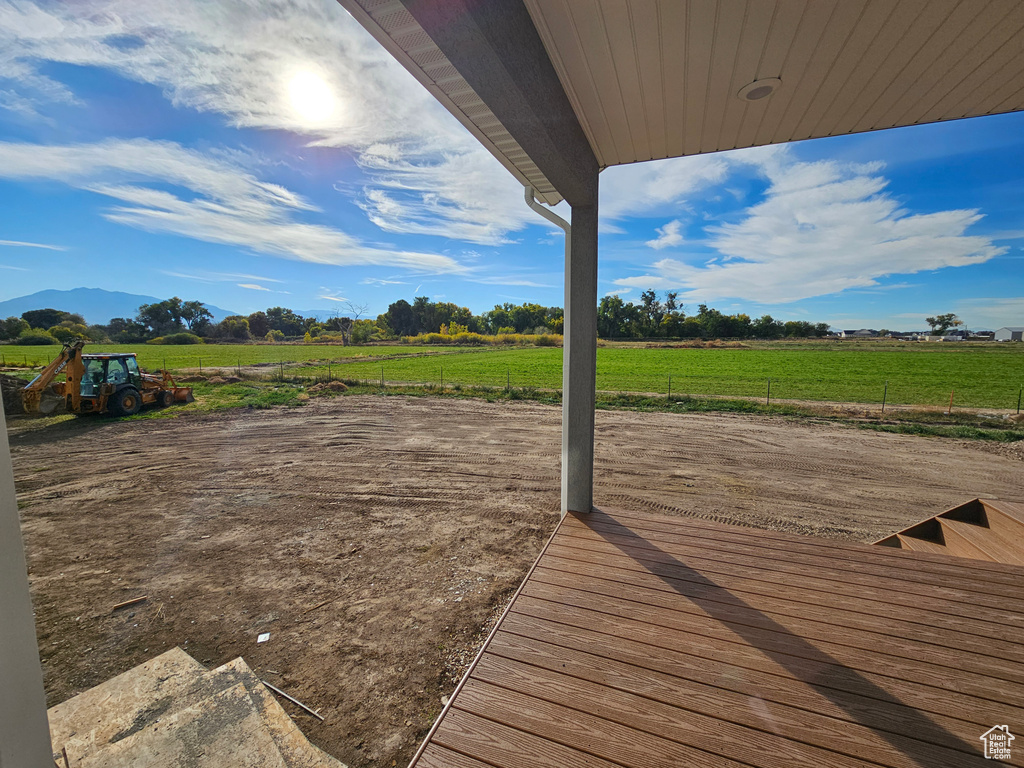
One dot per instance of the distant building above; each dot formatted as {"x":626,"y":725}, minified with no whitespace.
{"x":863,"y":333}
{"x":1010,"y":333}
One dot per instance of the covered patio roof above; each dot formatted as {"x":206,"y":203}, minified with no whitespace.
{"x":651,"y":79}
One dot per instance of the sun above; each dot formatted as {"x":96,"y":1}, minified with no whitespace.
{"x":311,"y":97}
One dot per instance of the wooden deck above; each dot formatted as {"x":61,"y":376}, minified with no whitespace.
{"x":641,"y":640}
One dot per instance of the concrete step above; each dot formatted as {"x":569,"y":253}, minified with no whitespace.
{"x":225,"y":729}
{"x":292,"y":743}
{"x":142,"y":700}
{"x":122,"y":705}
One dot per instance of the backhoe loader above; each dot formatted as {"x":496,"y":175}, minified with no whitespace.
{"x":103,"y":383}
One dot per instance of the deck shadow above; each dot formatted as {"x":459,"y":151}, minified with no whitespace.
{"x":750,"y":624}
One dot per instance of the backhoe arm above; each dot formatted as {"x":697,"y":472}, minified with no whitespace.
{"x":32,"y":393}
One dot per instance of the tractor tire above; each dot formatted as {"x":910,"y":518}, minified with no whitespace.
{"x":165,"y":398}
{"x":125,"y":402}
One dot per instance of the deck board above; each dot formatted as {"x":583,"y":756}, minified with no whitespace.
{"x":640,"y":641}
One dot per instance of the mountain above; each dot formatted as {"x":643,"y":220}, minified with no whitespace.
{"x":94,"y":304}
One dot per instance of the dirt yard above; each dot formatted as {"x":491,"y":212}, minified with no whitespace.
{"x":375,"y":538}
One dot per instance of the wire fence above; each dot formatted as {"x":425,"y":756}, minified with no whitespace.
{"x":912,"y":386}
{"x":883,"y":393}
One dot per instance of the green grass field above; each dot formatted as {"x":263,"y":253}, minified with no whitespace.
{"x":982,"y":375}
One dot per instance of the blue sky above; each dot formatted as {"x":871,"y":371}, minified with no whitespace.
{"x":250,"y":154}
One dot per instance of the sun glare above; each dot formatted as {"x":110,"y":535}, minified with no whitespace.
{"x":311,"y":97}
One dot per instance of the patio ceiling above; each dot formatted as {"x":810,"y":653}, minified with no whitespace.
{"x":649,"y":79}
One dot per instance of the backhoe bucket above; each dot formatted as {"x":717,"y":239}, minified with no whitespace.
{"x":183,"y":395}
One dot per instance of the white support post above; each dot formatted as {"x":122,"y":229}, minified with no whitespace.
{"x":24,"y":730}
{"x":579,"y":361}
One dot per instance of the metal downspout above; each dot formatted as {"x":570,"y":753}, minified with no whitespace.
{"x":550,"y":215}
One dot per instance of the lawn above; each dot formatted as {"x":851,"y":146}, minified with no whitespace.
{"x":979,"y":375}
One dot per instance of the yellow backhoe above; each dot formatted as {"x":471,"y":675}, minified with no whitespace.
{"x":103,"y":383}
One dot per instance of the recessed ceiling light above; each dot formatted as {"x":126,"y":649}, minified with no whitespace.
{"x":759,"y":89}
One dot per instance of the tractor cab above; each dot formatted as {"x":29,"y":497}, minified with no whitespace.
{"x":115,"y":370}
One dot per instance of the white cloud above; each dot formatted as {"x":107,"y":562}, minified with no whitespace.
{"x":16,"y":269}
{"x":669,"y":236}
{"x":252,"y":287}
{"x":508,"y":280}
{"x":463,"y":195}
{"x":665,"y":186}
{"x":382,"y":281}
{"x":20,"y":244}
{"x":340,"y":299}
{"x":224,"y":203}
{"x":823,"y":227}
{"x":991,"y":313}
{"x":220,"y":277}
{"x":239,"y":58}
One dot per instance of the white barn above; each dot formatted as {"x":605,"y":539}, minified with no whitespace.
{"x":1010,"y":333}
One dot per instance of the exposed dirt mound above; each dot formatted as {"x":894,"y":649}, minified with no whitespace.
{"x":189,"y":379}
{"x":331,"y":386}
{"x":221,"y":380}
{"x":11,"y":386}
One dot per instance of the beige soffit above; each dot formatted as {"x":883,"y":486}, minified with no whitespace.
{"x":651,"y":79}
{"x":395,"y":29}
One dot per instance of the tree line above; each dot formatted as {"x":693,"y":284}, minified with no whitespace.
{"x":176,"y":321}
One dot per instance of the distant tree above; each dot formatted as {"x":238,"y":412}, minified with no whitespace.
{"x":274,"y":335}
{"x":97,"y":333}
{"x":767,"y":327}
{"x":259,"y":324}
{"x":653,"y":312}
{"x":12,"y":327}
{"x":942,"y":323}
{"x":232,"y":327}
{"x":617,"y":319}
{"x":347,"y":323}
{"x":364,"y":331}
{"x":45,"y":318}
{"x":197,"y":317}
{"x":68,"y":331}
{"x":498,"y":318}
{"x":162,"y":317}
{"x":35,"y":337}
{"x":123,"y":330}
{"x":286,"y":321}
{"x":400,"y":320}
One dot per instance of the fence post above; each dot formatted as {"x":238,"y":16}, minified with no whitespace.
{"x":950,"y":411}
{"x":282,"y":371}
{"x":442,"y":377}
{"x":382,"y":377}
{"x":885,"y":394}
{"x":768,"y":401}
{"x":329,"y":379}
{"x":670,"y":386}
{"x":1018,"y":398}
{"x":508,"y":384}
